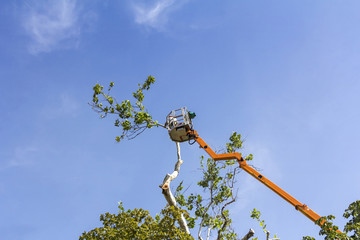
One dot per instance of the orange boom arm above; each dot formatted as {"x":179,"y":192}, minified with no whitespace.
{"x":313,"y":216}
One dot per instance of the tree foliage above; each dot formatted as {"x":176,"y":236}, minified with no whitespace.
{"x":255,"y":214}
{"x":138,"y":224}
{"x":352,"y":227}
{"x":218,"y":191}
{"x":131,"y":117}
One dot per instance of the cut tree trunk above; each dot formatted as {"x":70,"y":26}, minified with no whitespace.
{"x":249,"y":235}
{"x":166,"y":191}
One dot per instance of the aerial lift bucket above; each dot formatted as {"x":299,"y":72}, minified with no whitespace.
{"x":178,"y":123}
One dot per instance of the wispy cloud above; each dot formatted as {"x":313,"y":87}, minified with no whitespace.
{"x":264,"y":163}
{"x":156,"y":15}
{"x":68,"y":105}
{"x":64,"y":105}
{"x":52,"y":24}
{"x":21,"y":156}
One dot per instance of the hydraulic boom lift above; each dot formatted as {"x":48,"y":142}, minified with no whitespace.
{"x":180,"y":129}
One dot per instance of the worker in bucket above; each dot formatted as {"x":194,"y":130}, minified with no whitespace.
{"x":172,"y":122}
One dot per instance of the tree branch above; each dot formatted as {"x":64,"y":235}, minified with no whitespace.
{"x":226,"y":220}
{"x":165,"y":186}
{"x":203,"y":218}
{"x":249,"y":235}
{"x":208,"y":233}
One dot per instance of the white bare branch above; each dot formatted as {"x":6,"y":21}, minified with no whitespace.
{"x":165,"y":186}
{"x":208,"y":233}
{"x":249,"y":235}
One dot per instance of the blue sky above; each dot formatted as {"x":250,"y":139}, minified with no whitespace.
{"x":285,"y":74}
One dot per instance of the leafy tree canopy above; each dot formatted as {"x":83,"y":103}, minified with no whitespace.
{"x":351,"y":229}
{"x":138,"y":224}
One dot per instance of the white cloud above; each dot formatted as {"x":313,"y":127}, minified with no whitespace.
{"x":52,"y":24}
{"x":154,"y":16}
{"x":68,"y":106}
{"x":265,"y":164}
{"x":65,"y":105}
{"x":20,"y":157}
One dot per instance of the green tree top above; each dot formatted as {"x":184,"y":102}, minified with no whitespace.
{"x":138,"y":224}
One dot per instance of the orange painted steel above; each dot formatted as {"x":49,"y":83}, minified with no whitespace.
{"x":313,"y":216}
